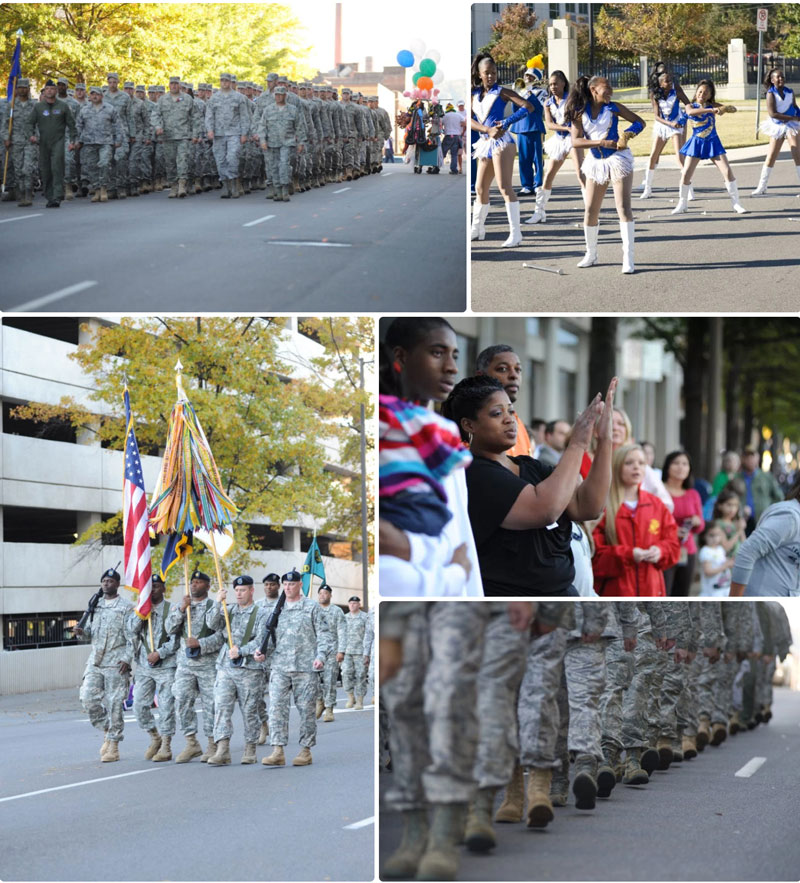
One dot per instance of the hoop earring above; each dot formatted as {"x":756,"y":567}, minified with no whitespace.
{"x":469,"y":439}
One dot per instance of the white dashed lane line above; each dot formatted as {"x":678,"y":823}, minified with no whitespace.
{"x":259,"y":221}
{"x":74,"y":785}
{"x":342,"y":189}
{"x":49,"y":298}
{"x":362,"y":824}
{"x":752,"y":766}
{"x":20,"y":218}
{"x":301,"y":244}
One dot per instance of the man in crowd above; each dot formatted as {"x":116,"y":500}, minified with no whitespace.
{"x":53,"y":120}
{"x":555,"y":442}
{"x":502,"y":363}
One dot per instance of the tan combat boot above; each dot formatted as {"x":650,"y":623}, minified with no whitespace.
{"x":584,"y":785}
{"x":236,"y":188}
{"x":211,"y":750}
{"x":734,"y":725}
{"x":165,"y":751}
{"x":665,"y":755}
{"x":479,"y":834}
{"x":173,"y":191}
{"x":540,"y":810}
{"x":351,"y":701}
{"x":512,"y":808}
{"x":263,"y":734}
{"x":111,"y":753}
{"x":223,"y":755}
{"x":27,"y":198}
{"x":105,"y":743}
{"x":328,"y":716}
{"x":191,"y":750}
{"x":103,"y":194}
{"x":198,"y":188}
{"x":719,"y":734}
{"x":359,"y":703}
{"x":95,"y":195}
{"x":320,"y":708}
{"x":68,"y":194}
{"x":249,"y":755}
{"x":440,"y":859}
{"x":277,"y":757}
{"x":182,"y":188}
{"x":155,"y":744}
{"x":703,"y":732}
{"x":403,"y":862}
{"x":689,"y":747}
{"x":145,"y":187}
{"x":303,"y":758}
{"x":634,"y":774}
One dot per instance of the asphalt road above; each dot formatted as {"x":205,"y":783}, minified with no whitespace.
{"x":136,"y":820}
{"x":707,"y":260}
{"x":696,"y":821}
{"x":385,"y":243}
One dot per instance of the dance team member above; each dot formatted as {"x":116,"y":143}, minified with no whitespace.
{"x":783,"y":122}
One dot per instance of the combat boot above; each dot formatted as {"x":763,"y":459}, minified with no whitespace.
{"x":121,"y":193}
{"x":512,"y":809}
{"x":634,"y":774}
{"x":677,"y":750}
{"x":165,"y":751}
{"x":146,"y":187}
{"x":649,"y":760}
{"x":27,"y":198}
{"x":559,"y":785}
{"x":320,"y":708}
{"x":767,"y":712}
{"x":105,"y":744}
{"x":719,"y":734}
{"x":191,"y":750}
{"x":182,"y":188}
{"x":8,"y":196}
{"x":351,"y":700}
{"x":606,"y":775}
{"x":84,"y":191}
{"x":155,"y":744}
{"x":263,"y":734}
{"x":103,"y":194}
{"x":68,"y":194}
{"x":173,"y":191}
{"x":226,"y":194}
{"x":277,"y":757}
{"x":584,"y":787}
{"x":270,"y":192}
{"x":703,"y":731}
{"x":112,"y":194}
{"x":303,"y":758}
{"x":402,"y":863}
{"x":249,"y":755}
{"x":111,"y":753}
{"x":134,"y":190}
{"x":540,"y":810}
{"x":689,"y":747}
{"x":211,"y":750}
{"x":198,"y":187}
{"x":327,"y":718}
{"x":734,"y":724}
{"x":664,"y":749}
{"x":208,"y":183}
{"x":359,"y":703}
{"x":223,"y":754}
{"x":479,"y":835}
{"x":159,"y":185}
{"x":440,"y":859}
{"x":285,"y":191}
{"x":237,"y":188}
{"x":247,"y":186}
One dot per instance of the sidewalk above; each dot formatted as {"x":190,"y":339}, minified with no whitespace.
{"x":34,"y":705}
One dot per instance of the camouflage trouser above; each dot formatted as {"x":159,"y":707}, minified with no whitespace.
{"x":136,"y":170}
{"x":769,"y":673}
{"x":499,"y":678}
{"x":226,"y":154}
{"x":118,"y":173}
{"x":329,"y":675}
{"x":70,"y":164}
{"x":146,"y":681}
{"x":687,"y":716}
{"x":303,"y":686}
{"x":675,"y":674}
{"x":705,"y":685}
{"x":159,"y":164}
{"x":723,"y":691}
{"x":96,"y":159}
{"x":189,"y":683}
{"x":362,"y":155}
{"x":6,"y":168}
{"x":349,"y":155}
{"x":261,"y":703}
{"x":177,"y":153}
{"x":749,"y":676}
{"x":431,"y":704}
{"x":354,"y":674}
{"x":279,"y":164}
{"x":242,"y":685}
{"x":102,"y":693}
{"x":619,"y":674}
{"x":636,"y":701}
{"x":538,"y":700}
{"x":579,"y":696}
{"x":26,"y":163}
{"x":371,"y":676}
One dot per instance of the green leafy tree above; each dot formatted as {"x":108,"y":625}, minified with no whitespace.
{"x":787,"y":16}
{"x":652,"y":29}
{"x":516,"y":37}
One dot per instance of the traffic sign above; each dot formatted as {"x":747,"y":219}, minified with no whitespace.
{"x":761,"y":20}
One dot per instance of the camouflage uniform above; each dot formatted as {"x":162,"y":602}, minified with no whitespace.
{"x":139,"y":128}
{"x":174,"y":114}
{"x":352,"y":134}
{"x":302,"y":638}
{"x":195,"y":676}
{"x":354,"y":677}
{"x":119,"y":159}
{"x":228,"y":118}
{"x":24,"y":155}
{"x":268,"y":605}
{"x":160,"y":677}
{"x":99,"y":128}
{"x":282,"y":128}
{"x":104,"y":689}
{"x":337,"y":626}
{"x":238,"y":683}
{"x":70,"y":166}
{"x":737,"y":623}
{"x":6,"y":168}
{"x":369,"y":649}
{"x":666,"y":691}
{"x":619,"y":673}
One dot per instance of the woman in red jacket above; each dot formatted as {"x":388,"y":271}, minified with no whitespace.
{"x":636,"y":540}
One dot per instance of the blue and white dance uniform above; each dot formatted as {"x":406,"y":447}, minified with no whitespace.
{"x":489,"y":111}
{"x":781,"y":128}
{"x":669,"y":108}
{"x":704,"y":142}
{"x":603,"y":164}
{"x":559,"y":144}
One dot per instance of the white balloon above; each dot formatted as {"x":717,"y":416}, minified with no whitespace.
{"x":417,"y":46}
{"x":438,"y":76}
{"x":434,"y":55}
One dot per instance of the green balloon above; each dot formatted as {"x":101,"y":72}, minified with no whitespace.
{"x":427,"y":67}
{"x":417,"y":75}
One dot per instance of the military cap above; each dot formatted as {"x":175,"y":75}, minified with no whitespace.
{"x":280,"y":90}
{"x":271,"y":78}
{"x":271,"y":578}
{"x":243,"y":580}
{"x":23,"y":82}
{"x":161,"y":89}
{"x":71,"y":93}
{"x":129,"y":84}
{"x":140,"y":89}
{"x":111,"y":574}
{"x":234,"y":78}
{"x":282,"y":78}
{"x":353,"y":598}
{"x":225,"y":77}
{"x":152,"y":88}
{"x":63,"y":80}
{"x":291,"y":577}
{"x":372,"y":98}
{"x":49,"y":83}
{"x":112,"y":76}
{"x":175,"y":80}
{"x":324,"y":586}
{"x":198,"y":574}
{"x":347,"y":91}
{"x":96,"y":89}
{"x":157,"y":580}
{"x":80,"y":86}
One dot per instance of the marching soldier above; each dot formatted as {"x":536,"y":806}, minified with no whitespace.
{"x":338,"y":629}
{"x":354,"y":675}
{"x":155,"y":670}
{"x":281,"y":133}
{"x":227,"y":126}
{"x":176,"y":122}
{"x":24,"y":153}
{"x":272,"y":588}
{"x":99,"y":131}
{"x":106,"y":678}
{"x":70,"y":156}
{"x":53,"y":120}
{"x":119,"y":159}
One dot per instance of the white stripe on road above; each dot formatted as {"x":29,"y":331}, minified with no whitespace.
{"x":342,"y":190}
{"x":752,"y":766}
{"x":49,"y":298}
{"x":384,"y":174}
{"x":259,"y":221}
{"x":362,"y":824}
{"x":312,"y":244}
{"x":20,"y":218}
{"x":74,"y":785}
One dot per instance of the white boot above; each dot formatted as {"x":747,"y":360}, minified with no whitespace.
{"x":762,"y":181}
{"x":539,"y":216}
{"x":683,"y":202}
{"x":590,"y":235}
{"x":626,"y":229}
{"x":515,"y":236}
{"x":691,"y":192}
{"x":647,"y":190}
{"x":479,"y":212}
{"x":733,"y":191}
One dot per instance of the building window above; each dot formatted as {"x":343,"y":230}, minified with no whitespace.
{"x":555,"y":10}
{"x":583,"y":8}
{"x":566,"y":337}
{"x":39,"y":630}
{"x":25,"y":525}
{"x":495,"y":7}
{"x":533,"y":327}
{"x":533,"y":378}
{"x":59,"y":329}
{"x":265,"y":538}
{"x":566,"y":391}
{"x":467,"y":354}
{"x":569,"y":7}
{"x":329,"y":546}
{"x":52,"y":430}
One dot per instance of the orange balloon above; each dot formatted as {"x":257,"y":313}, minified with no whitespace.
{"x":425,"y":83}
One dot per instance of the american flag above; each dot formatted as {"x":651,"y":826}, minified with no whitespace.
{"x":134,"y":520}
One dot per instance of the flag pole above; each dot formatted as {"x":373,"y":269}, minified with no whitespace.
{"x":150,"y":628}
{"x":219,"y":583}
{"x":186,"y":583}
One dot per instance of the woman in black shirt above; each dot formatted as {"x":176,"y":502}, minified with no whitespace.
{"x":519,"y":508}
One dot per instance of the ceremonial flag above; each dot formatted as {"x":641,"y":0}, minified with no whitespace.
{"x":179,"y":545}
{"x":134,"y":520}
{"x":313,"y":566}
{"x":16,"y":70}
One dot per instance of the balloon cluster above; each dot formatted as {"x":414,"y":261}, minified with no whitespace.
{"x":426,"y":74}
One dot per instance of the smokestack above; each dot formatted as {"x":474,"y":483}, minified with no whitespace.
{"x":368,"y":64}
{"x":337,"y":46}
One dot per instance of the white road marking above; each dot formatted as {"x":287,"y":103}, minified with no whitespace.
{"x":343,"y":190}
{"x":362,"y":824}
{"x":311,"y":244}
{"x":74,"y":785}
{"x":259,"y":221}
{"x":20,"y":218}
{"x":752,"y":766}
{"x":49,"y":298}
{"x":384,"y":174}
